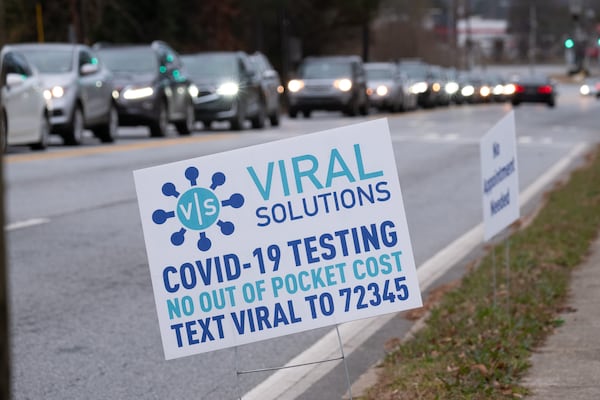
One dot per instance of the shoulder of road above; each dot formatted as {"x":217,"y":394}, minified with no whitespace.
{"x":567,"y":361}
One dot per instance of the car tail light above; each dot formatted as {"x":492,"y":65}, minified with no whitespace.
{"x":519,"y":89}
{"x":546,"y":89}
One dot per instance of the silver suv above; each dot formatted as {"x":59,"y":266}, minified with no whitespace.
{"x":329,"y":83}
{"x":78,"y":89}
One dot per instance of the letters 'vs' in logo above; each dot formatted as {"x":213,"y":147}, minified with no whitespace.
{"x":197,"y":209}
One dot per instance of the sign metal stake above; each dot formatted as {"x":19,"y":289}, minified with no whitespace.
{"x":507,"y":260}
{"x":494,"y":273}
{"x":252,"y":371}
{"x":345,"y":363}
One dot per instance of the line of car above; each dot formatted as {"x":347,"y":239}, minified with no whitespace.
{"x":340,"y":83}
{"x":63,"y":89}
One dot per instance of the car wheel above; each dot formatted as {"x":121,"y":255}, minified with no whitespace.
{"x":107,"y":132}
{"x":293,"y":113}
{"x":551,"y":104}
{"x":186,"y":126}
{"x":258,"y":121}
{"x":515,"y":103}
{"x":237,"y":122}
{"x":274,"y":118}
{"x":74,"y":133}
{"x":158,"y":127}
{"x":364,"y":109}
{"x":353,"y":108}
{"x":306,"y":113}
{"x":44,"y":137}
{"x":207,"y":123}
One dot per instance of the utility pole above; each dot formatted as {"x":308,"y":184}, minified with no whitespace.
{"x":285,"y":50}
{"x":469,"y":40}
{"x":4,"y":314}
{"x":365,"y":31}
{"x":39,"y":19}
{"x":451,"y":32}
{"x":532,"y":37}
{"x":75,"y":25}
{"x":2,"y":24}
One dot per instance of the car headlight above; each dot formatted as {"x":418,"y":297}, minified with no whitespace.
{"x":419,"y":87}
{"x":484,"y":91}
{"x":584,"y":90}
{"x":451,"y":87}
{"x":498,"y":90}
{"x":436,"y":87}
{"x":295,"y":85}
{"x":467,"y":91}
{"x":228,"y":89}
{"x":509,"y":89}
{"x":193,"y":90}
{"x":343,"y":84}
{"x":382,"y":90}
{"x":55,"y":93}
{"x":137,"y":93}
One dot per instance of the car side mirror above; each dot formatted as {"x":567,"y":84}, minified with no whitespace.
{"x":88,"y":69}
{"x":269,"y":74}
{"x":13,"y":79}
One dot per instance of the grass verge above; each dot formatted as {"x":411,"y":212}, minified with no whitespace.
{"x":478,"y":339}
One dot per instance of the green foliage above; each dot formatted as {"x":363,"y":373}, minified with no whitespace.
{"x":191,"y":25}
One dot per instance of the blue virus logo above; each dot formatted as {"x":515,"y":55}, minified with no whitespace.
{"x":198,"y":208}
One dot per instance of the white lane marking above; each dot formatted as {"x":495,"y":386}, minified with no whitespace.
{"x":525,"y":139}
{"x":453,"y":138}
{"x":290,"y":383}
{"x":25,"y":224}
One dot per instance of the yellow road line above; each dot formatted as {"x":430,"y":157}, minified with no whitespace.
{"x":105,"y":149}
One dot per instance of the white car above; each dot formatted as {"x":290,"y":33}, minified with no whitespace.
{"x":24,"y":116}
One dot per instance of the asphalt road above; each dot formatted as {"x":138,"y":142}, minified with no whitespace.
{"x":83,"y":320}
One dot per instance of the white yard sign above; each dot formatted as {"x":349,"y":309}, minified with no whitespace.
{"x":500,"y":178}
{"x":277,"y":238}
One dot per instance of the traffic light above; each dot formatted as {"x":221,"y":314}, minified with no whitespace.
{"x":569,"y":43}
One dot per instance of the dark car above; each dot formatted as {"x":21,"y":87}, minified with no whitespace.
{"x":150,"y":87}
{"x":533,"y":89}
{"x":271,"y":85}
{"x":336,"y":83}
{"x":229,"y":89}
{"x":428,"y":87}
{"x":78,"y":89}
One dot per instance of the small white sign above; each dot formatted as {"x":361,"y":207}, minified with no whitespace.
{"x":275,"y":239}
{"x":500,"y":178}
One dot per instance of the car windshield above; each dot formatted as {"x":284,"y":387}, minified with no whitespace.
{"x":415,"y":71}
{"x":325,"y":70}
{"x":211,"y":66}
{"x":374,"y":74}
{"x":50,"y":61}
{"x":130,"y":60}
